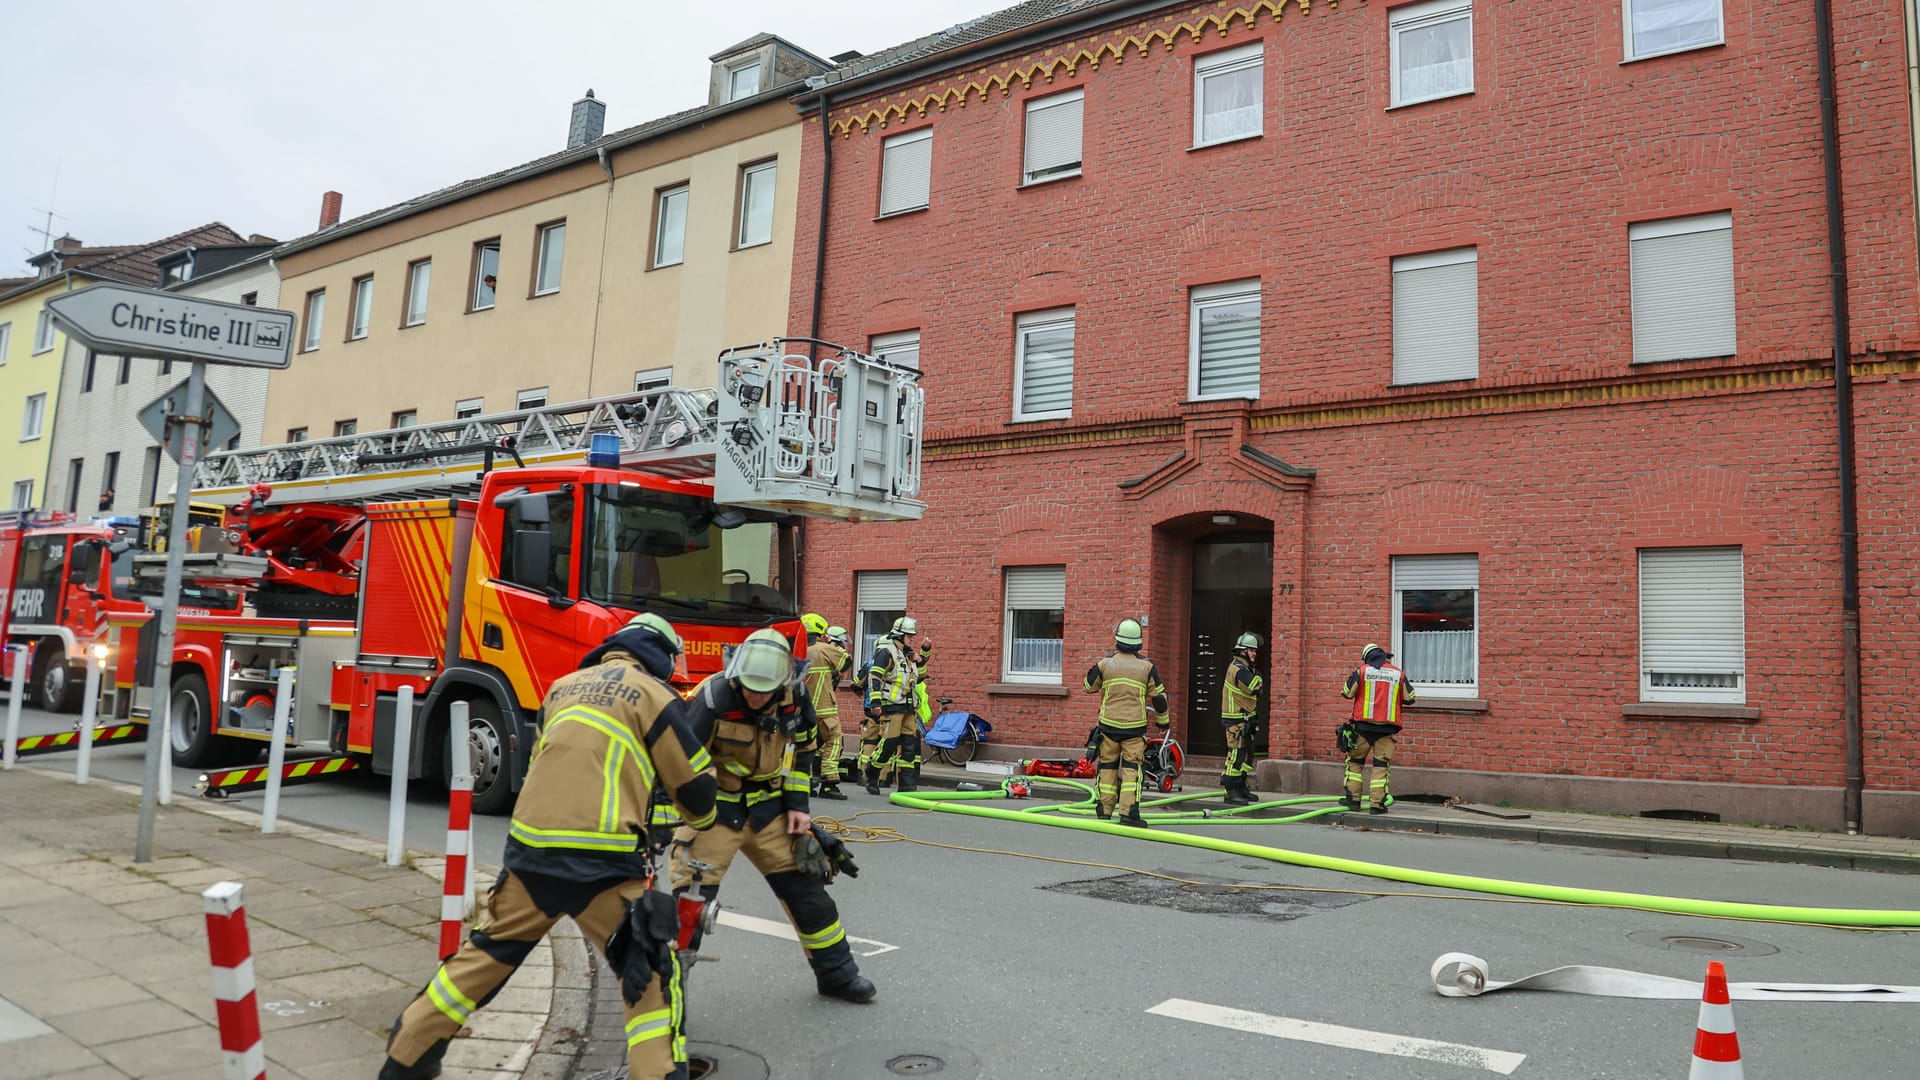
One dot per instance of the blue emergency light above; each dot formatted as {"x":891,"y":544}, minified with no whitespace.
{"x":604,"y":451}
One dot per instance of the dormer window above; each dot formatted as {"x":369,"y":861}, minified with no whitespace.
{"x":743,"y":81}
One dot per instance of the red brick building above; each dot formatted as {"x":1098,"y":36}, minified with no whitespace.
{"x":1497,"y":332}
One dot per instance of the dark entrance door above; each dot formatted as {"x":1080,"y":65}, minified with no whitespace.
{"x":1232,"y":592}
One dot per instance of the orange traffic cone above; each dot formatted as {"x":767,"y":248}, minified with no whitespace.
{"x":1716,"y":1049}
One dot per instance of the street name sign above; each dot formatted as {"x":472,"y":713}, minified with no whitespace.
{"x":129,"y":321}
{"x":222,"y":425}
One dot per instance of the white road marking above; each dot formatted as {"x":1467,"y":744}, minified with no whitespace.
{"x":773,"y":928}
{"x":17,"y":1023}
{"x":1373,"y":1042}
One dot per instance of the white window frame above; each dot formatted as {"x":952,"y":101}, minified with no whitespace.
{"x":346,"y":428}
{"x":879,"y":592}
{"x":906,"y":172}
{"x":1203,"y":299}
{"x":662,"y":214}
{"x":1426,"y":350}
{"x":360,"y":319}
{"x":467,"y":408}
{"x":1680,"y":643}
{"x":551,"y":260}
{"x":480,"y":249}
{"x":23,"y":494}
{"x":531,"y":398}
{"x":748,"y":175}
{"x":1030,"y":588}
{"x":419,"y":283}
{"x":33,"y":417}
{"x":1228,"y":62}
{"x":1675,"y":316}
{"x":902,"y":348}
{"x":296,"y":435}
{"x":1026,"y":324}
{"x":652,"y":379}
{"x":1402,"y":20}
{"x":405,"y":418}
{"x":44,"y":333}
{"x":316,"y":314}
{"x":734,"y":92}
{"x":1050,"y":170}
{"x":6,"y":340}
{"x":1436,"y":572}
{"x":1626,"y":44}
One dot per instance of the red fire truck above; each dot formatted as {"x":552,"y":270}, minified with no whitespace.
{"x":482,"y":584}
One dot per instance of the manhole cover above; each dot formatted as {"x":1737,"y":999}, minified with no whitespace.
{"x":915,"y":1065}
{"x":1216,"y":897}
{"x":1702,"y":943}
{"x":699,"y":1067}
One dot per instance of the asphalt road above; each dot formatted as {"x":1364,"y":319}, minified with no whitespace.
{"x":1004,"y":965}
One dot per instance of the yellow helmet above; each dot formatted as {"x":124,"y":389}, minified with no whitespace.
{"x":815,"y":624}
{"x":1128,"y":632}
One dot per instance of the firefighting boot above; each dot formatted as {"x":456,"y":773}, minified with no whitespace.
{"x":1237,"y":793}
{"x":846,"y":983}
{"x":909,"y":778}
{"x":1350,"y":802}
{"x":831,"y":790}
{"x":873,"y":780}
{"x":1132,"y":817}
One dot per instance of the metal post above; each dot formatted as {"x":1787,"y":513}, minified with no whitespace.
{"x":13,"y":703}
{"x":402,"y":751}
{"x":460,"y":763}
{"x":277,"y":749}
{"x":88,"y":709}
{"x":157,"y":725}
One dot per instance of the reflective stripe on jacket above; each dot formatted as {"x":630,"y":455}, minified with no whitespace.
{"x":759,"y":755}
{"x":1129,"y":688}
{"x":1378,"y":693}
{"x":1240,"y":693}
{"x":826,"y":662}
{"x":891,"y":676}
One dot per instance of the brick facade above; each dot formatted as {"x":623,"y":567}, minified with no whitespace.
{"x":1556,"y":465}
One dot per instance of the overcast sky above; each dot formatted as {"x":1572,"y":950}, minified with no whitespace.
{"x":163,"y":116}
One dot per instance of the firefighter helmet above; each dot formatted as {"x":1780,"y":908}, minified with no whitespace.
{"x":647,"y":620}
{"x":1248,"y":640}
{"x":1128,"y":633}
{"x":763,"y":663}
{"x":815,"y":624}
{"x":904,"y":626}
{"x":837,"y":635}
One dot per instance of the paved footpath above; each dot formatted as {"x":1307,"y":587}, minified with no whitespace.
{"x":104,"y":964}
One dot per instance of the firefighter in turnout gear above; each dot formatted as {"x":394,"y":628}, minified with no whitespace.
{"x":827,"y":660}
{"x":613,"y":730}
{"x":758,"y":724}
{"x":1378,"y":689}
{"x":889,"y":698}
{"x":1130,"y":693}
{"x":1239,"y":702}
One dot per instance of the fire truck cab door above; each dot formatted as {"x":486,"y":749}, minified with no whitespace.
{"x":40,"y":582}
{"x":527,"y":623}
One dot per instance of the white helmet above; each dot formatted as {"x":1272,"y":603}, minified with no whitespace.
{"x":763,"y":663}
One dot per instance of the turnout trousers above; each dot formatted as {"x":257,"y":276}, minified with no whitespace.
{"x":769,"y":848}
{"x":871,"y":733}
{"x":1239,"y":754}
{"x":509,"y":926}
{"x":829,"y":760}
{"x":1118,"y":780}
{"x":899,"y":747}
{"x":1357,"y":786}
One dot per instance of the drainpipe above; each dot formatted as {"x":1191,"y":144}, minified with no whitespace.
{"x":1843,"y":404}
{"x":813,"y":325}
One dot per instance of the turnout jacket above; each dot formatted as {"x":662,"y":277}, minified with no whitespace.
{"x":1240,"y":692}
{"x":1377,"y":693}
{"x":610,"y":733}
{"x":762,"y":759}
{"x":891,"y":677}
{"x":1130,"y":691}
{"x":826,"y":663}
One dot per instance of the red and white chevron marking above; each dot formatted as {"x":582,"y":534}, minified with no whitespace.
{"x":242,"y":1057}
{"x":453,"y":899}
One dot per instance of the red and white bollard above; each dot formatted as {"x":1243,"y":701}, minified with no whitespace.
{"x":453,"y":898}
{"x":242,"y":1057}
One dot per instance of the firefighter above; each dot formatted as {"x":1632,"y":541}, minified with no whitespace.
{"x":1377,"y":689}
{"x":827,"y":660}
{"x":1239,"y":702}
{"x":574,"y":848}
{"x":759,"y":726}
{"x":1130,"y":692}
{"x":892,"y":679}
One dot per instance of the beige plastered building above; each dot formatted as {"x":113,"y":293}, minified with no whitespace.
{"x":636,"y":256}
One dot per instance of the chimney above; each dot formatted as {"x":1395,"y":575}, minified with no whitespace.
{"x":329,"y":209}
{"x":66,"y":244}
{"x":589,"y":120}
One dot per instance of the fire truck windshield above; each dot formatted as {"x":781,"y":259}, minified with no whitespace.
{"x":650,"y":547}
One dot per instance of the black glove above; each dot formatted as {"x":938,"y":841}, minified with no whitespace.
{"x":836,"y":851}
{"x":811,"y":859}
{"x":642,"y":945}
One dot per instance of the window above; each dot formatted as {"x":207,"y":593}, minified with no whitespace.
{"x":552,"y":252}
{"x":251,"y":299}
{"x":1223,"y":341}
{"x":1435,"y":622}
{"x":233,"y":443}
{"x":1035,"y":623}
{"x":345,"y":427}
{"x":670,"y":227}
{"x":298,"y":434}
{"x":1693,"y":619}
{"x":1227,"y":95}
{"x":1655,"y":27}
{"x":34,"y":415}
{"x":906,"y":171}
{"x":486,"y":268}
{"x":109,"y":480}
{"x":1682,"y":271}
{"x":405,"y":418}
{"x":43,"y":333}
{"x":1432,"y":47}
{"x":1436,"y":316}
{"x":879,"y":597}
{"x":361,"y":312}
{"x":902,"y":348}
{"x":743,"y":81}
{"x":126,"y":371}
{"x":316,"y":310}
{"x":535,"y":398}
{"x":86,"y":372}
{"x":23,"y":494}
{"x":419,"y":277}
{"x":469,"y":407}
{"x":558,"y":576}
{"x":756,"y":203}
{"x":150,"y":477}
{"x":1043,"y":365}
{"x":166,"y":367}
{"x":74,"y":470}
{"x":652,"y":379}
{"x":6,"y":339}
{"x":1053,"y":137}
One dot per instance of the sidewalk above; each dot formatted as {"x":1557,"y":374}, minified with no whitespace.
{"x":1657,"y":836}
{"x":104,"y":964}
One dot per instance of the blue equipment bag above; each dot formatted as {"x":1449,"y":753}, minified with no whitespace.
{"x":949,"y":728}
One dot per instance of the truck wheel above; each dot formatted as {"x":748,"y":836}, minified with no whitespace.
{"x":195,"y":744}
{"x":492,"y":780}
{"x":59,"y":690}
